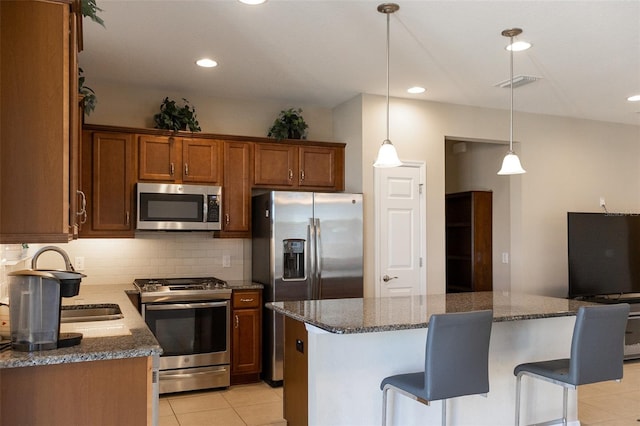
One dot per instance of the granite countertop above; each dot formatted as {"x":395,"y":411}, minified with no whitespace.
{"x":348,"y":316}
{"x":135,"y":341}
{"x":244,"y":285}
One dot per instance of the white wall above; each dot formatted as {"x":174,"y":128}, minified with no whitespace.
{"x":135,"y":107}
{"x":570,"y":164}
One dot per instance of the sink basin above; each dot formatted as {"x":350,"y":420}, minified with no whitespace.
{"x":85,"y":313}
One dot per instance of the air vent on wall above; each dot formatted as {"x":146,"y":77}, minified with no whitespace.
{"x":518,"y":80}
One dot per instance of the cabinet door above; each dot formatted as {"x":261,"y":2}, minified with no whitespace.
{"x":317,"y":167}
{"x":202,"y":161}
{"x":236,"y":193}
{"x":108,"y":178}
{"x":158,"y":158}
{"x":246,"y":338}
{"x":276,"y":165}
{"x":35,"y":59}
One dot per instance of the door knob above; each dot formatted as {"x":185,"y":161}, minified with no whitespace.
{"x":387,"y":278}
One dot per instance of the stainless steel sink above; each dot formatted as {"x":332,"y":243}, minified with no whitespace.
{"x":84,"y":313}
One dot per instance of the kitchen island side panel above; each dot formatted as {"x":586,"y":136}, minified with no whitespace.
{"x":355,"y":364}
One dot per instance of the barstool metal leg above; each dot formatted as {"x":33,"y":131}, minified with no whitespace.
{"x":444,"y":412}
{"x":384,"y":406}
{"x":518,"y":380}
{"x":565,"y":392}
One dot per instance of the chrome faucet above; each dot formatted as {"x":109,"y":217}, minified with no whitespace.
{"x":64,"y":255}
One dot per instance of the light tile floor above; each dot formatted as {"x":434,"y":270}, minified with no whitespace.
{"x":612,"y":403}
{"x":599,"y":404}
{"x":244,"y":405}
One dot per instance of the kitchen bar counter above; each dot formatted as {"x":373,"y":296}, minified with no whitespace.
{"x":347,"y":316}
{"x":347,"y":346}
{"x":133,"y":338}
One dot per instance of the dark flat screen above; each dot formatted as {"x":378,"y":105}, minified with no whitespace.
{"x":604,"y":254}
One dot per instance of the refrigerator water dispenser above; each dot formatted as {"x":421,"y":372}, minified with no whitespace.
{"x":293,"y":259}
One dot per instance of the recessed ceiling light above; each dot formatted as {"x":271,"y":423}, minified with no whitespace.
{"x":634,"y":98}
{"x":518,"y":46}
{"x":416,"y":90}
{"x":206,"y":63}
{"x":252,"y":2}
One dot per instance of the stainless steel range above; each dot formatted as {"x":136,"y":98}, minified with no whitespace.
{"x":191,"y":319}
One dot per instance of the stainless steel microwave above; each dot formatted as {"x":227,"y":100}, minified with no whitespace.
{"x":178,"y":207}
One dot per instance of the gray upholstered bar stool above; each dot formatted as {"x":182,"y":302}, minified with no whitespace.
{"x":456,"y":361}
{"x":597,"y":353}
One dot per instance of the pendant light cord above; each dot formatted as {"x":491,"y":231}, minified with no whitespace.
{"x":511,"y":88}
{"x":388,"y":121}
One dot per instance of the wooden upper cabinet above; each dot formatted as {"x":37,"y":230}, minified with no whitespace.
{"x":157,"y":158}
{"x":108,"y":183}
{"x":38,"y":70}
{"x":236,"y":191}
{"x":305,"y":166}
{"x":176,"y":159}
{"x":319,"y":167}
{"x":276,"y":165}
{"x":202,"y":161}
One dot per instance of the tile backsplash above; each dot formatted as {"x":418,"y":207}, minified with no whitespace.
{"x":149,"y":255}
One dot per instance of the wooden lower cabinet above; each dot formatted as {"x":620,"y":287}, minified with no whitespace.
{"x":110,"y":392}
{"x":246,"y":343}
{"x":296,"y":387}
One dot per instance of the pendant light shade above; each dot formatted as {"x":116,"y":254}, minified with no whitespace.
{"x":387,"y":155}
{"x":511,"y":163}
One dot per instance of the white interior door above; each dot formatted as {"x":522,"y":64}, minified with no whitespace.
{"x":400,"y":236}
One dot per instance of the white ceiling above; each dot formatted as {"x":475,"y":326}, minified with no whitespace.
{"x":324,"y":52}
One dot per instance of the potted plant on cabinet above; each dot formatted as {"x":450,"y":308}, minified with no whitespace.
{"x":289,"y":125}
{"x":174,"y":117}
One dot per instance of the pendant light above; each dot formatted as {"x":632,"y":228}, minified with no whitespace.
{"x":387,"y":155}
{"x":511,"y":163}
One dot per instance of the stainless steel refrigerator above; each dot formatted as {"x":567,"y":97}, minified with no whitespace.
{"x":305,"y":246}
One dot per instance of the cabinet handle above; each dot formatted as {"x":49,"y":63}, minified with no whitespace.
{"x":171,"y":169}
{"x":227,"y":219}
{"x":246,"y":300}
{"x":301,"y":175}
{"x":290,"y":174}
{"x":83,"y":209}
{"x":237,"y":321}
{"x":127,"y":218}
{"x":186,"y":169}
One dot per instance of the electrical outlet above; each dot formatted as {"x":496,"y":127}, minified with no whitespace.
{"x":79,"y":263}
{"x":226,"y":261}
{"x":505,"y":257}
{"x":602,"y":203}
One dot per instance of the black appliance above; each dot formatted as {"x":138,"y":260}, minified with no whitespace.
{"x":604,"y":255}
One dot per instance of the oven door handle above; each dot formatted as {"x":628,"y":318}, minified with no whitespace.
{"x":173,"y":306}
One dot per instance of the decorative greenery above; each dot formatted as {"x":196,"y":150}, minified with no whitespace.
{"x":89,"y":99}
{"x":289,"y":125}
{"x":91,"y":9}
{"x":174,"y":117}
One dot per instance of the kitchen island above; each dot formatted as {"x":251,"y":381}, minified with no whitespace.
{"x":107,"y":379}
{"x":347,"y":346}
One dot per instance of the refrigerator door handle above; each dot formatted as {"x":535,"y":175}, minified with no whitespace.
{"x":318,"y":254}
{"x":311,"y":260}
